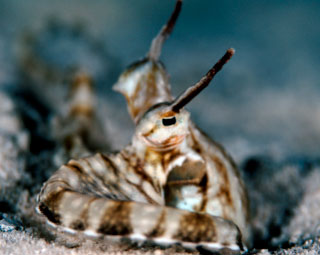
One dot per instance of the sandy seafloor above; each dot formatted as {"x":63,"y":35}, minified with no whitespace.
{"x":263,"y":107}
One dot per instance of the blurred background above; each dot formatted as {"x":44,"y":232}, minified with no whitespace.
{"x":264,"y":102}
{"x":263,"y":106}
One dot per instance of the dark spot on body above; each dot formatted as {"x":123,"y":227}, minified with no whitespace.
{"x":116,"y":219}
{"x":50,"y":206}
{"x":77,"y":225}
{"x":52,"y":216}
{"x":196,"y":227}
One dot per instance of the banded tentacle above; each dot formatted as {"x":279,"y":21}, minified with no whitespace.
{"x":89,"y":196}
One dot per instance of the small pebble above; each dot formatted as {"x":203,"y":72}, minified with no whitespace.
{"x":6,"y":226}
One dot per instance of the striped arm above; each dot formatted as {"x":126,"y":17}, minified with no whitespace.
{"x":74,"y":199}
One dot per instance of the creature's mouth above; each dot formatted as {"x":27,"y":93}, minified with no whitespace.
{"x":167,"y":144}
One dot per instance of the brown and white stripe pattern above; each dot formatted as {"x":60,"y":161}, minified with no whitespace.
{"x":171,"y":185}
{"x":113,"y":195}
{"x":93,"y":197}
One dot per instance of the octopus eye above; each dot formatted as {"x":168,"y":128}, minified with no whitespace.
{"x":169,"y":121}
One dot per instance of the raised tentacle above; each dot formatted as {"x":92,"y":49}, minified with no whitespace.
{"x":157,"y":42}
{"x":193,"y":91}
